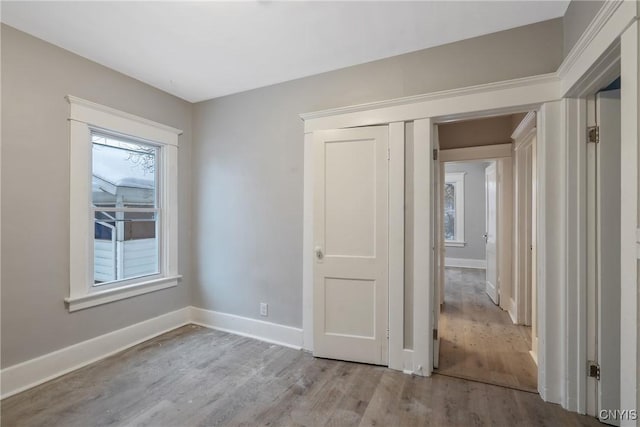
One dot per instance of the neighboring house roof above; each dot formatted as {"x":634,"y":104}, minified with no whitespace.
{"x":119,"y":178}
{"x":118,"y":169}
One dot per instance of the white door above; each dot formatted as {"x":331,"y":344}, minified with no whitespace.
{"x":350,"y":298}
{"x":491,"y":207}
{"x":608,"y":249}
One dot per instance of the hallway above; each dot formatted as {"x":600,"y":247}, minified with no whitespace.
{"x":478,"y":339}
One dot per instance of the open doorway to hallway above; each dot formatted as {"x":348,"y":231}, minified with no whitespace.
{"x":487,"y":280}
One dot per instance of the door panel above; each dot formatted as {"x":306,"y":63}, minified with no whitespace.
{"x":608,"y":247}
{"x":351,"y":243}
{"x":350,"y":198}
{"x":491,"y":179}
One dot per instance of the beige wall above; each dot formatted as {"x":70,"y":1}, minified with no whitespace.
{"x":472,"y":133}
{"x":248,"y":160}
{"x":35,"y":195}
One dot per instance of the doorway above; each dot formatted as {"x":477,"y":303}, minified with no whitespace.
{"x":482,"y":278}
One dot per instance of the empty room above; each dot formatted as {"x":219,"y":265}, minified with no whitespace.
{"x":319,"y":213}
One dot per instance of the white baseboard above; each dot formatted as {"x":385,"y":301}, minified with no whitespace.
{"x":31,"y":373}
{"x":259,"y":329}
{"x":513,"y":311}
{"x":465,"y":263}
{"x":407,"y":361}
{"x":534,"y":356}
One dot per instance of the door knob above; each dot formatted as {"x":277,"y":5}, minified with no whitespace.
{"x":319,"y":253}
{"x":486,"y":237}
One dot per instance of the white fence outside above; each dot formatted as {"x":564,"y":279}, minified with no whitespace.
{"x":140,"y":257}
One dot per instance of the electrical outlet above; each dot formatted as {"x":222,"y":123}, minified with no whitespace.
{"x":264,"y":309}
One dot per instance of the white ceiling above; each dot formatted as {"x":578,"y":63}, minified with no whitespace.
{"x":203,"y":50}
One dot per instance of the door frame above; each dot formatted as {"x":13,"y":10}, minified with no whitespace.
{"x":502,"y":155}
{"x":561,"y":314}
{"x":521,"y":307}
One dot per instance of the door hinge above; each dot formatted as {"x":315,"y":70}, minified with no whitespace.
{"x":388,"y":153}
{"x":435,"y":154}
{"x":435,"y":334}
{"x":387,"y":333}
{"x":594,"y":370}
{"x":593,"y":134}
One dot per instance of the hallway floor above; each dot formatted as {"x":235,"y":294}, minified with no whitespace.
{"x":478,"y":340}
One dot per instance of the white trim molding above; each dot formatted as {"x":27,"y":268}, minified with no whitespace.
{"x":103,"y":297}
{"x":396,"y":244}
{"x":490,"y":98}
{"x":108,"y":118}
{"x":513,"y":311}
{"x":630,"y":132}
{"x":613,"y":18}
{"x":466,"y":263}
{"x":486,"y":152}
{"x":524,"y":127}
{"x":31,"y":373}
{"x":273,"y":333}
{"x":84,"y":117}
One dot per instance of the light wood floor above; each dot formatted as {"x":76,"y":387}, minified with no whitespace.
{"x":478,"y":339}
{"x":198,"y":377}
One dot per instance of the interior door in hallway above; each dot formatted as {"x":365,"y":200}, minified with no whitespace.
{"x":350,"y":297}
{"x":490,"y":236}
{"x":608,"y":248}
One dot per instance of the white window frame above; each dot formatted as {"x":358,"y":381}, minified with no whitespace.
{"x":457,"y":179}
{"x":85,"y":116}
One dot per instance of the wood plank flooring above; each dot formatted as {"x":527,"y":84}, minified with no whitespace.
{"x":199,"y":377}
{"x":478,"y":339}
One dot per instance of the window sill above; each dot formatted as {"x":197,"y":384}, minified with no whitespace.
{"x":455,"y":244}
{"x":103,"y":297}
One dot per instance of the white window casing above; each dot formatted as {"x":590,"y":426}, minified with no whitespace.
{"x":84,"y":117}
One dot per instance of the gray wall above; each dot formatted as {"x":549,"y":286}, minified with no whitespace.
{"x":576,"y":20}
{"x":474,"y":210}
{"x":35,"y":195}
{"x":248,"y":160}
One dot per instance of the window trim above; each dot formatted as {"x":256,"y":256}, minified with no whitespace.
{"x":85,"y":116}
{"x":457,"y":179}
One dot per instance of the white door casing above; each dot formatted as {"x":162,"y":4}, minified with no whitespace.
{"x":534,"y":250}
{"x":521,"y":304}
{"x":438,"y":245}
{"x":351,"y":244}
{"x":491,"y":207}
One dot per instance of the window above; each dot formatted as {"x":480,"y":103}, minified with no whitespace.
{"x":123,"y":205}
{"x":125,"y":208}
{"x":454,"y":209}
